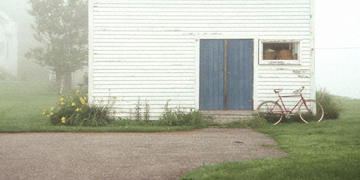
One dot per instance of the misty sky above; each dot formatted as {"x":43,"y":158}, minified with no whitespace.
{"x":337,"y":42}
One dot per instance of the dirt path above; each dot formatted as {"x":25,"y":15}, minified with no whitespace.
{"x":126,"y":155}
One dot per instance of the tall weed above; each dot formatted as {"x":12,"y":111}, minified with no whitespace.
{"x":170,"y":117}
{"x":177,"y":117}
{"x":332,"y":109}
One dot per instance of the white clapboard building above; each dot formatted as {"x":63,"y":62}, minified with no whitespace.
{"x":224,"y":55}
{"x":8,"y":45}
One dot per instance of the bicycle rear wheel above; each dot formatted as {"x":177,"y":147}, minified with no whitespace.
{"x":264,"y":112}
{"x":308,"y":113}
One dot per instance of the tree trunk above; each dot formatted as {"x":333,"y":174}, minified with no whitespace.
{"x":68,"y":82}
{"x":63,"y":82}
{"x":57,"y":81}
{"x":60,"y":80}
{"x":61,"y":89}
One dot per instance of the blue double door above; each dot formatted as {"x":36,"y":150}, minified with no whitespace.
{"x":226,"y":74}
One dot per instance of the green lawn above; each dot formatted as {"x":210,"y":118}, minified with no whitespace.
{"x":22,"y":105}
{"x":326,"y":150}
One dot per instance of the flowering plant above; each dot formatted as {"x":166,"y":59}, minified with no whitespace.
{"x":74,"y":110}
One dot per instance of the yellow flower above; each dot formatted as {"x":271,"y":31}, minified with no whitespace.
{"x":82,"y":101}
{"x":77,"y":91}
{"x":114,"y":97}
{"x":62,"y":99}
{"x":86,"y":94}
{"x":62,"y":103}
{"x":51,"y":113}
{"x":44,"y":110}
{"x":63,"y":119}
{"x":77,"y":110}
{"x":58,"y":104}
{"x":73,"y":104}
{"x":84,"y":97}
{"x":44,"y":113}
{"x":48,"y":116}
{"x":52,"y":108}
{"x":102,"y":100}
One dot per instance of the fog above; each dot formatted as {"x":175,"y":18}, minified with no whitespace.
{"x":337,"y":42}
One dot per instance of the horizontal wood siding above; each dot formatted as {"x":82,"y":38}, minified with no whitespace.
{"x":146,"y":49}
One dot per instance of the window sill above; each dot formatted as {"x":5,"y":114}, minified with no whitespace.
{"x":279,"y":62}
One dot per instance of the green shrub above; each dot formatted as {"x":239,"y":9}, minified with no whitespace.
{"x":331,"y":108}
{"x":73,"y":110}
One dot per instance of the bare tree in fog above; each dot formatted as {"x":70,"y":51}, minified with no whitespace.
{"x":62,"y":28}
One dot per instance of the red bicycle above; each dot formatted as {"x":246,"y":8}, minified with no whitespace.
{"x":309,"y":109}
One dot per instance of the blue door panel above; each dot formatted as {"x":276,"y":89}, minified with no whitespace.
{"x":211,"y":74}
{"x":240,"y":75}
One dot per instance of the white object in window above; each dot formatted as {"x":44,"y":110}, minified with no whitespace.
{"x":279,"y":52}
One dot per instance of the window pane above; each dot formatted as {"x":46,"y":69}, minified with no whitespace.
{"x":280,"y":51}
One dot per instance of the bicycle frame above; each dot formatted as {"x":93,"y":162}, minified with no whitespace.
{"x":286,"y":111}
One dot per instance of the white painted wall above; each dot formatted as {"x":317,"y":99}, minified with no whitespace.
{"x":149,"y":49}
{"x":8,"y":44}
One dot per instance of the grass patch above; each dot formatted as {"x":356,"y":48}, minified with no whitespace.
{"x":326,"y":150}
{"x":22,"y":105}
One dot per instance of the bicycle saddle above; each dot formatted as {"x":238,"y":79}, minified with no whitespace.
{"x":277,"y":90}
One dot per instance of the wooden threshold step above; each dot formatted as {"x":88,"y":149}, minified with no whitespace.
{"x":224,"y":116}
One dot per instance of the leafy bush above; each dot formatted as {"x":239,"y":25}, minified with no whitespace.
{"x":331,"y":108}
{"x":73,"y":110}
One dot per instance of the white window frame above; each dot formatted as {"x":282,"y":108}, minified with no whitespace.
{"x":279,"y":62}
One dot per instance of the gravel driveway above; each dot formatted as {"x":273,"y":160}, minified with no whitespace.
{"x":126,"y":155}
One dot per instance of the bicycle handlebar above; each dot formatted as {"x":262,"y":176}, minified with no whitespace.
{"x":299,"y":90}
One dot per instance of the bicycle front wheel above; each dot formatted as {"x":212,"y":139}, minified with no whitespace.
{"x":270,"y":111}
{"x":310,"y":111}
